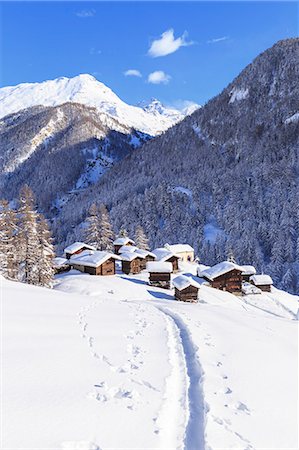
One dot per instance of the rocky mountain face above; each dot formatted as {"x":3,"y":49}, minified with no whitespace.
{"x":224,"y":179}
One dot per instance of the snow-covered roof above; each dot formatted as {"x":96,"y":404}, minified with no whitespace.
{"x":248,"y":288}
{"x":201,"y":268}
{"x":248,"y":270}
{"x":261,"y":280}
{"x":130,"y":256}
{"x":76,"y":246}
{"x":145,"y":253}
{"x":92,"y":258}
{"x":219,"y":269}
{"x":159,"y":267}
{"x":182,"y":282}
{"x":59,"y":261}
{"x":123,"y":241}
{"x":179,"y":248}
{"x":127,"y":248}
{"x":162,"y":254}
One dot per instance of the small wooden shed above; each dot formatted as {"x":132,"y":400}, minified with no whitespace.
{"x":164,"y":255}
{"x":185,"y":289}
{"x":263,"y":282}
{"x":119,"y":242}
{"x":147,"y":257}
{"x":95,"y":262}
{"x":225,"y":276}
{"x":61,"y":265}
{"x":131,"y":262}
{"x":159,"y":273}
{"x":184,"y":251}
{"x":76,"y":248}
{"x":247,"y":272}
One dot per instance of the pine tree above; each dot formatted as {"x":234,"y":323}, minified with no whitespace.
{"x":8,"y":244}
{"x":141,"y":239}
{"x":93,"y":230}
{"x":28,"y":241}
{"x":106,"y":232}
{"x":46,"y":253}
{"x":231,"y":256}
{"x":123,"y":233}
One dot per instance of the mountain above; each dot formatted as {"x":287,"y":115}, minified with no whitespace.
{"x":86,"y":90}
{"x":156,"y":108}
{"x":224,"y":179}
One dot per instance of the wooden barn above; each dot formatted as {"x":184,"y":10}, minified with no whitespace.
{"x":147,"y":257}
{"x":247,"y":272}
{"x":159,"y":273}
{"x":164,"y":255}
{"x":263,"y":282}
{"x":185,"y":289}
{"x":94,"y":262}
{"x":119,"y":242}
{"x":184,"y":251}
{"x":131,"y":262}
{"x":225,"y":276}
{"x":76,"y":248}
{"x":61,"y":265}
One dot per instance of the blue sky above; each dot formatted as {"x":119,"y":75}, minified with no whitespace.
{"x":210,"y":44}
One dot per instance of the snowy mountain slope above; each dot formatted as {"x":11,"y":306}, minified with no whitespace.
{"x":89,"y":351}
{"x":86,"y":90}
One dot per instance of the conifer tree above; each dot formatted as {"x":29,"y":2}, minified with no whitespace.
{"x":141,"y":239}
{"x":46,"y":253}
{"x":28,"y":241}
{"x":106,"y":232}
{"x":123,"y":232}
{"x":93,"y":230}
{"x":8,"y":238}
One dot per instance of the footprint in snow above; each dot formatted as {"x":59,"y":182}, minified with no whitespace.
{"x":242,"y":407}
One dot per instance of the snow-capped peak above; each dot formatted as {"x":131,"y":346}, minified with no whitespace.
{"x":85,"y":89}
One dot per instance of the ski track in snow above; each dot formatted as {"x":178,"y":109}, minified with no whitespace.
{"x":184,"y":362}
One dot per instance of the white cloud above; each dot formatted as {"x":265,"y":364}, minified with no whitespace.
{"x":84,"y":13}
{"x":95,"y":51}
{"x":215,"y":40}
{"x":168,"y":44}
{"x":158,"y":77}
{"x":132,"y":73}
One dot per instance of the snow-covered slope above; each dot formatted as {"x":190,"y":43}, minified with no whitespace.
{"x":85,"y":89}
{"x":101,"y":354}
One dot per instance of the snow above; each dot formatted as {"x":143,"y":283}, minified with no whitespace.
{"x":123,"y":241}
{"x":98,"y":357}
{"x":182,"y":282}
{"x":159,"y":267}
{"x":197,"y":131}
{"x":260,"y":280}
{"x":237,"y":94}
{"x":130,"y":256}
{"x":127,"y":249}
{"x":85,"y":89}
{"x":59,"y":262}
{"x":144,"y":253}
{"x":179,"y":248}
{"x":248,"y":270}
{"x":92,"y":258}
{"x":77,"y":246}
{"x":211,"y":231}
{"x":219,"y":269}
{"x":201,"y":268}
{"x":162,"y":254}
{"x":248,"y":288}
{"x":292,"y":119}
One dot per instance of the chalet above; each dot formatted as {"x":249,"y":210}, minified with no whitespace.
{"x":247,"y":272}
{"x":94,"y":262}
{"x":131,"y":262}
{"x":159,"y":273}
{"x":263,"y":282}
{"x":147,"y":257}
{"x":225,"y":276}
{"x":60,"y":265}
{"x":164,"y":255}
{"x":184,"y":251}
{"x":76,"y":248}
{"x":119,"y":242}
{"x":185,"y":288}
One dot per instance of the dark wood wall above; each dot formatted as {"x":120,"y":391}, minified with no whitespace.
{"x":230,"y":281}
{"x":131,"y":266}
{"x":160,"y":279}
{"x":187,"y":295}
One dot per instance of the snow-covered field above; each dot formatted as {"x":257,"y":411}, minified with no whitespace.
{"x":112,"y":363}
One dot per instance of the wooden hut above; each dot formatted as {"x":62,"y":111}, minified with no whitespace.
{"x":247,"y":272}
{"x":131,"y":262}
{"x":119,"y":242}
{"x":76,"y":248}
{"x":61,"y":265}
{"x":159,"y":273}
{"x":185,"y":289}
{"x":263,"y":282}
{"x":147,"y":257}
{"x":164,"y":255}
{"x":94,"y":262}
{"x":184,"y":251}
{"x":225,"y":276}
